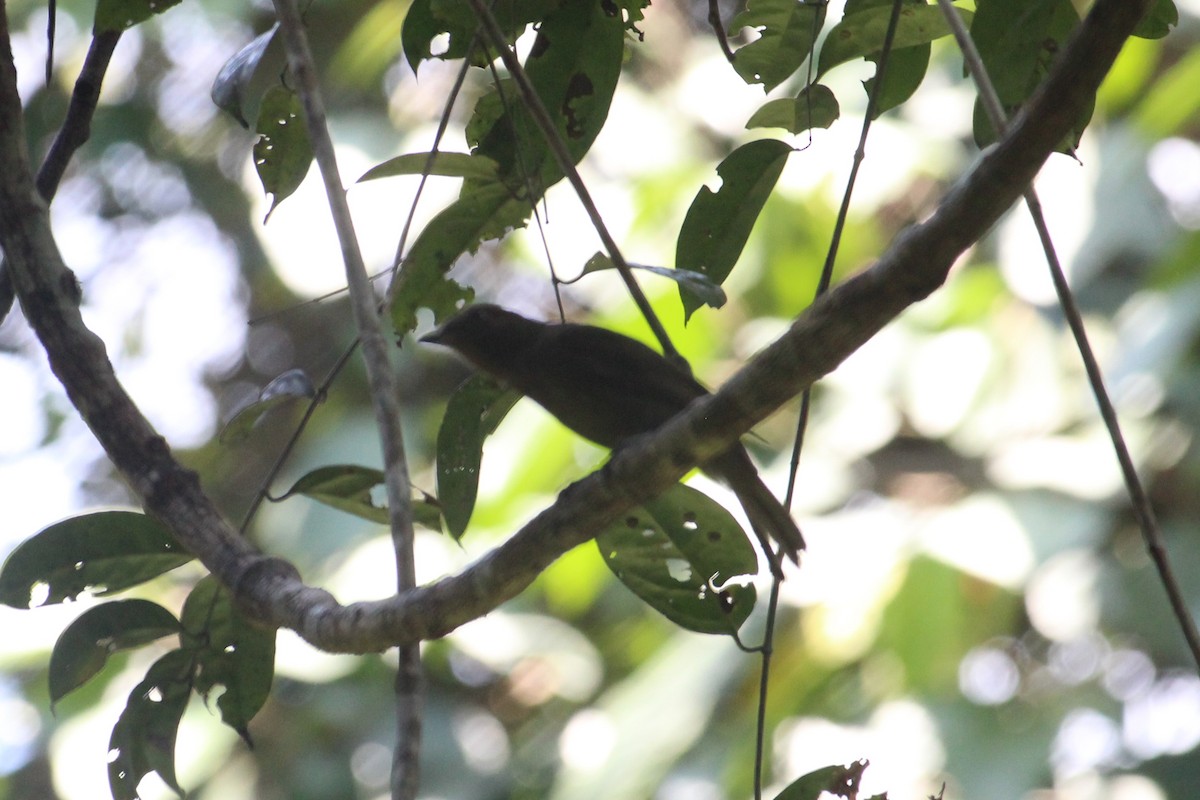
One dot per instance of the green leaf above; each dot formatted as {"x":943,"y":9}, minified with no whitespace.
{"x":787,"y":31}
{"x":283,"y":390}
{"x":1018,"y":40}
{"x":814,"y":107}
{"x":283,"y":153}
{"x":426,"y":20}
{"x":1158,"y":22}
{"x":862,"y":34}
{"x":348,"y":488}
{"x":717,"y":224}
{"x":231,"y":89}
{"x":117,"y":15}
{"x":143,"y":740}
{"x":906,"y":66}
{"x":697,"y":283}
{"x":450,"y":165}
{"x":683,"y":554}
{"x":472,"y":414}
{"x":836,"y":779}
{"x":460,"y":228}
{"x":99,"y":553}
{"x":83,"y":648}
{"x":231,"y":651}
{"x":573,"y":66}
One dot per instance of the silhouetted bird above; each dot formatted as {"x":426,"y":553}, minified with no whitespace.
{"x":606,"y":387}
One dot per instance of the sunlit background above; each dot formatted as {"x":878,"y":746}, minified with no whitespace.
{"x":976,"y":609}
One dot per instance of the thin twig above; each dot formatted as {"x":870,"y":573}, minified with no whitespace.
{"x":562,"y":155}
{"x":1143,"y":510}
{"x":714,"y":20}
{"x":384,"y":389}
{"x":823,"y":283}
{"x":74,"y":131}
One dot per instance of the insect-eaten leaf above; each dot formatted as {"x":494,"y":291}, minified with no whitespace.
{"x":787,"y":30}
{"x":143,"y":740}
{"x":685,"y":556}
{"x":283,"y":152}
{"x":84,"y":646}
{"x":472,"y":414}
{"x":697,"y":283}
{"x":283,"y":390}
{"x":349,"y":488}
{"x":229,"y":651}
{"x":862,"y":34}
{"x":232,"y":90}
{"x":837,"y":779}
{"x":100,"y":553}
{"x":717,"y":224}
{"x":814,"y":107}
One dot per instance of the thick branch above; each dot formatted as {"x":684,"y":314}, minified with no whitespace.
{"x":836,"y":325}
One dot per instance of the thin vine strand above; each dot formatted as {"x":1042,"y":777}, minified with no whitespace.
{"x":1143,"y":510}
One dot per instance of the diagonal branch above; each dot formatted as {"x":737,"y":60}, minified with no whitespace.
{"x":830,"y":330}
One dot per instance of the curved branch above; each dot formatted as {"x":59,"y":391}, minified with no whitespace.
{"x":830,"y":330}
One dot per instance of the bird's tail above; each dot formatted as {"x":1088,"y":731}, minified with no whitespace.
{"x":767,"y":515}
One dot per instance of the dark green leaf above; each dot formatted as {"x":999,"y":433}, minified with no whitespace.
{"x":475,"y":217}
{"x":117,"y":15}
{"x":717,"y":224}
{"x":348,"y":488}
{"x":697,"y":283}
{"x":1018,"y":40}
{"x":231,"y":652}
{"x":143,"y":740}
{"x":231,"y":89}
{"x":283,"y":153}
{"x":684,"y":554}
{"x":862,"y":34}
{"x":84,"y":647}
{"x":428,"y":19}
{"x":574,"y":66}
{"x":100,"y":553}
{"x":814,"y":107}
{"x":450,"y":165}
{"x":787,"y":30}
{"x":283,"y":390}
{"x":1158,"y":22}
{"x":472,"y":414}
{"x":836,"y":779}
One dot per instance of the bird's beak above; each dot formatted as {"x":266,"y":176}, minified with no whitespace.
{"x":433,"y":337}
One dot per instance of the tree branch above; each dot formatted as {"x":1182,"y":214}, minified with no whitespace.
{"x":830,"y":330}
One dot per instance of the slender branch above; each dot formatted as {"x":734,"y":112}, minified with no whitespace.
{"x":385,"y":394}
{"x":1143,"y":510}
{"x":75,"y":130}
{"x":558,"y":148}
{"x":837,"y":324}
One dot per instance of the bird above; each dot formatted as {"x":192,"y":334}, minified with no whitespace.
{"x":607,"y":388}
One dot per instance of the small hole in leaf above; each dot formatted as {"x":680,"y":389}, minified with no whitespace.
{"x":632,"y":522}
{"x":689,"y":521}
{"x":713,"y":536}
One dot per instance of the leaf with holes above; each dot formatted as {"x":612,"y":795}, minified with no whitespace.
{"x":862,"y":33}
{"x":348,"y":487}
{"x":283,"y":153}
{"x":143,"y":740}
{"x":472,"y":414}
{"x":717,"y":224}
{"x":787,"y":30}
{"x":230,"y":651}
{"x":687,"y":558}
{"x":84,"y":646}
{"x":99,"y":553}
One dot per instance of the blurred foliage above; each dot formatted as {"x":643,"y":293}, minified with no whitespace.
{"x":976,"y":608}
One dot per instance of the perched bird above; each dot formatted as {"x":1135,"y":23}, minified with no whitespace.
{"x":607,"y":388}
